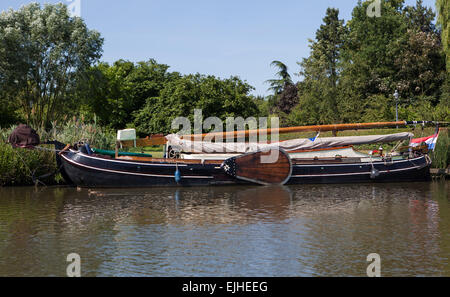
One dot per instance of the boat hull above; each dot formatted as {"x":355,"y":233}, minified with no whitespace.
{"x":417,"y":169}
{"x":83,"y":170}
{"x":90,"y":171}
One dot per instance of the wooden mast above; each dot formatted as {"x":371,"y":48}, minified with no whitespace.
{"x":161,"y":140}
{"x":317,"y":128}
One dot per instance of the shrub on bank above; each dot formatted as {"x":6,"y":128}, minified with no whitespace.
{"x":22,"y":167}
{"x":75,"y":130}
{"x":441,"y":155}
{"x":71,"y":132}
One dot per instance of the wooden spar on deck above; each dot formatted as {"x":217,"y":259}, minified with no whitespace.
{"x":161,"y":140}
{"x":318,"y":128}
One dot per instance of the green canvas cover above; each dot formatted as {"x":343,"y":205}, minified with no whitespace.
{"x":113,"y":153}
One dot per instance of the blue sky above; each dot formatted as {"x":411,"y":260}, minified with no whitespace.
{"x":221,"y":38}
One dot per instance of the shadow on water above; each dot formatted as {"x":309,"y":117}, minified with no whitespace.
{"x":306,"y":230}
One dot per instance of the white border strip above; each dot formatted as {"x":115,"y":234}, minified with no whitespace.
{"x":132,"y":173}
{"x":358,"y":164}
{"x":127,"y":162}
{"x":357,"y":173}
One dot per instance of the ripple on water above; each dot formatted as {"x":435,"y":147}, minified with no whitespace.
{"x":307,"y":230}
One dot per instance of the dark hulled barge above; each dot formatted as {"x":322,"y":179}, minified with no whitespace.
{"x":300,"y":161}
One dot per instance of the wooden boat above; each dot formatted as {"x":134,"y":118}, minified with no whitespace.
{"x":334,"y":161}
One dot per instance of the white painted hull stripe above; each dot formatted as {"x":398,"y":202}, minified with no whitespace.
{"x":132,"y":173}
{"x":127,"y":162}
{"x":357,"y":164}
{"x":357,"y":173}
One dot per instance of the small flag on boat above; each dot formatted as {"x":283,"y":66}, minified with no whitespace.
{"x":314,"y":138}
{"x":430,"y":141}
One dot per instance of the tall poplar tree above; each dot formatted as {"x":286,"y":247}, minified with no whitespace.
{"x":320,"y":72}
{"x":443,"y":8}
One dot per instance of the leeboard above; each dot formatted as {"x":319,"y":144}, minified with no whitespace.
{"x":252,"y":167}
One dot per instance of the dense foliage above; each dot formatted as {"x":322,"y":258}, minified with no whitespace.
{"x":25,"y":167}
{"x":443,"y":8}
{"x":51,"y":74}
{"x":219,"y":98}
{"x":114,"y":92}
{"x":38,"y":166}
{"x":43,"y":52}
{"x":355,"y":68}
{"x":50,"y":70}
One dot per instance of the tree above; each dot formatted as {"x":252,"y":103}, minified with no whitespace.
{"x":284,"y":78}
{"x":263,"y":106}
{"x":43,"y":52}
{"x":288,"y":99}
{"x":321,"y":70}
{"x":354,"y":69}
{"x":420,"y":66}
{"x":443,"y":8}
{"x":7,"y":111}
{"x":420,"y":17}
{"x":114,"y":92}
{"x":398,"y":51}
{"x":216,"y":97}
{"x":368,"y":59}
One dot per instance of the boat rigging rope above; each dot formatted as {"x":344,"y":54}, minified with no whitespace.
{"x":47,"y":149}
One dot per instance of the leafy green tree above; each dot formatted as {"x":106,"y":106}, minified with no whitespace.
{"x":287,"y":99}
{"x":114,"y":92}
{"x":263,"y":106}
{"x":43,"y":51}
{"x":284,"y":78}
{"x":420,"y":66}
{"x":420,"y":17}
{"x":7,"y":111}
{"x":378,"y":108}
{"x":321,"y":72}
{"x":443,"y":8}
{"x":216,"y":97}
{"x":397,"y":51}
{"x":367,"y":57}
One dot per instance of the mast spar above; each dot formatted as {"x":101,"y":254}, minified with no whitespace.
{"x":161,"y":140}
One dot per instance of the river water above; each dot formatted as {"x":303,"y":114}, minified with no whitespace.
{"x":306,"y":230}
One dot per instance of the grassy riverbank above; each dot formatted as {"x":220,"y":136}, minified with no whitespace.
{"x":441,"y":156}
{"x":19,"y":167}
{"x":23,"y":167}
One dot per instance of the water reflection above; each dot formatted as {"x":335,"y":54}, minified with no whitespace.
{"x":302,"y":230}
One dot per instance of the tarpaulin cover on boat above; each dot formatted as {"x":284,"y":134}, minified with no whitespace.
{"x":290,"y":145}
{"x":24,"y":136}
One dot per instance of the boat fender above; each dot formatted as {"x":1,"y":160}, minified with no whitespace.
{"x":374,"y":173}
{"x":177,"y":175}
